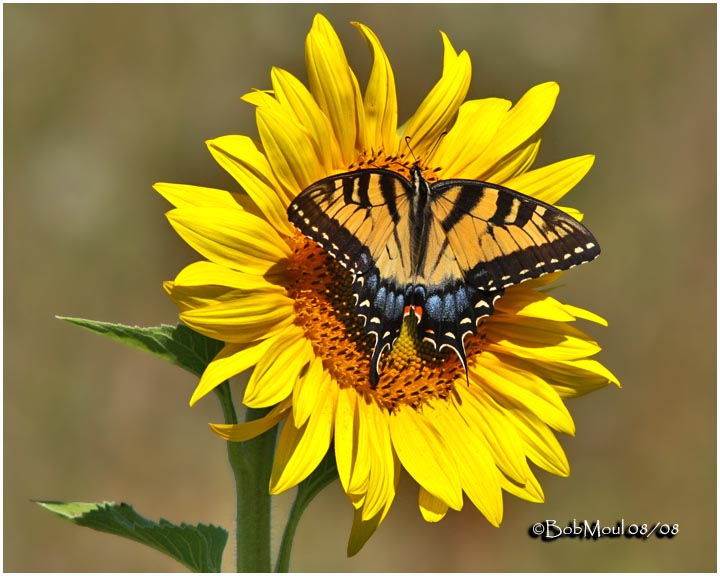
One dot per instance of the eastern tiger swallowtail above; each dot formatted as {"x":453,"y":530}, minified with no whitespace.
{"x":444,"y":251}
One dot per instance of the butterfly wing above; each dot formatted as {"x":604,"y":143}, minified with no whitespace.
{"x":497,"y":238}
{"x":360,"y":218}
{"x":451,"y":306}
{"x":452,"y":260}
{"x":501,"y":237}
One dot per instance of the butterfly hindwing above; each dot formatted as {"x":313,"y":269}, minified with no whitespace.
{"x":445,"y":250}
{"x":381,"y":304}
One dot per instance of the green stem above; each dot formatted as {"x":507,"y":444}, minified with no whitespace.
{"x":323,"y":475}
{"x":226,"y":401}
{"x":296,"y":512}
{"x":251,"y":463}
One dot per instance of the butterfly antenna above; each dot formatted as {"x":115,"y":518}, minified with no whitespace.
{"x":415,"y":158}
{"x":436,"y":145}
{"x":432,"y":151}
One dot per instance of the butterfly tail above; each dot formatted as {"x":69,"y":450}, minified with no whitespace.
{"x":382,"y":305}
{"x":452,"y":313}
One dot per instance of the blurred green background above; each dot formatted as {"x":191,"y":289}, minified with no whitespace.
{"x":102,"y":101}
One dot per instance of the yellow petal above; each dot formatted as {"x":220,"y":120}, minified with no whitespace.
{"x":347,"y":430}
{"x":479,"y":475}
{"x":570,"y":378}
{"x":364,"y":478}
{"x":231,"y":238}
{"x":450,"y":55}
{"x":522,"y":121}
{"x":432,"y":509}
{"x":543,"y":281}
{"x":300,"y":450}
{"x":514,"y":163}
{"x":595,"y":367}
{"x":523,"y":302}
{"x":572,"y":212}
{"x":537,"y":338}
{"x":192,"y":297}
{"x":334,"y":86}
{"x":254,"y":428}
{"x":499,"y":436}
{"x":294,"y":96}
{"x":541,"y":446}
{"x":186,"y":196}
{"x":306,"y":390}
{"x":257,"y":97}
{"x":232,"y":360}
{"x":288,"y":441}
{"x":277,"y":372}
{"x":250,"y":168}
{"x":530,"y":490}
{"x":364,"y":527}
{"x":424,"y":454}
{"x":550,"y":183}
{"x":208,"y":274}
{"x":380,"y":103}
{"x":585,"y":314}
{"x":441,"y":105}
{"x":245,"y":318}
{"x":289,"y":149}
{"x":460,"y":151}
{"x":362,"y":530}
{"x":381,"y":485}
{"x":512,"y":388}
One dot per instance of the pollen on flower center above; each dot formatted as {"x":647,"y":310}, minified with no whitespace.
{"x":411,"y":374}
{"x":399,"y":163}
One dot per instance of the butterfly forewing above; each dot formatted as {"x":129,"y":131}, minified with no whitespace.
{"x":501,"y":237}
{"x":446,"y":251}
{"x":350,"y":216}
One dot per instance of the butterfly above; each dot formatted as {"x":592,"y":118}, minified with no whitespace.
{"x":443,"y":251}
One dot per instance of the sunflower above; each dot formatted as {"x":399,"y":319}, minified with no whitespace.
{"x":284,"y":308}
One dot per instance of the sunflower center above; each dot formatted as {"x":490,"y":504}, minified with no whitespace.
{"x":399,"y":163}
{"x":411,"y":374}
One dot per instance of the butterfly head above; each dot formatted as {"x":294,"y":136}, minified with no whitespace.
{"x":416,"y":176}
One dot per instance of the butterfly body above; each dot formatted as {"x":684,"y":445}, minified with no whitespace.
{"x":443,"y":251}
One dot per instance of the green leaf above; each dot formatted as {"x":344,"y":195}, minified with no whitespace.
{"x":177,"y":344}
{"x":199,"y":548}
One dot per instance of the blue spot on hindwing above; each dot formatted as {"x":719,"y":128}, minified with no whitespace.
{"x":433,"y":306}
